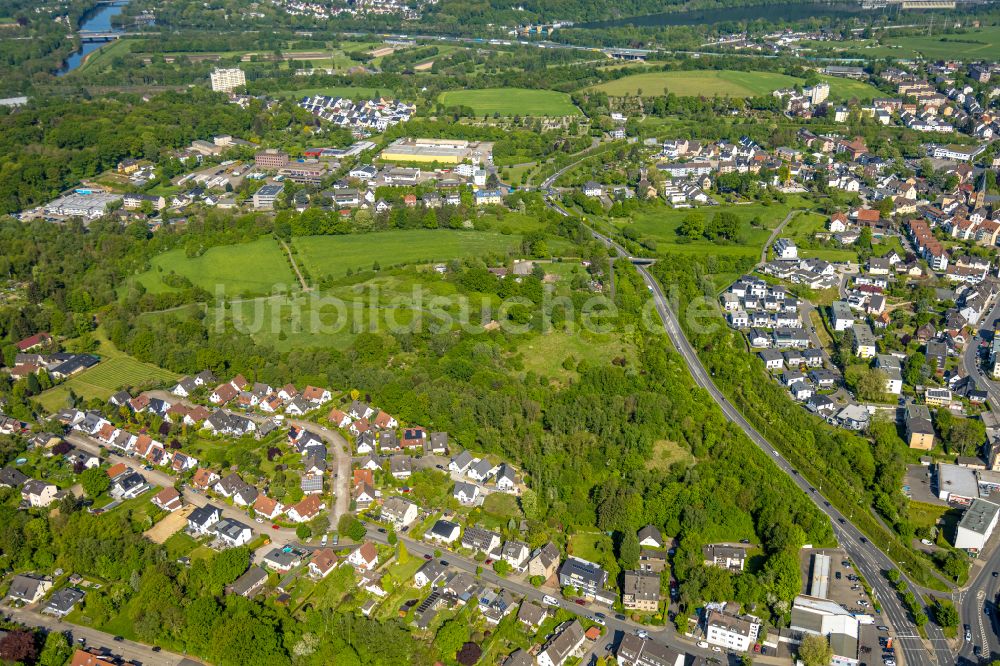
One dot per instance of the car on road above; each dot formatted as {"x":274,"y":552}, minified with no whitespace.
{"x":609,"y":647}
{"x":323,"y":541}
{"x":428,"y":556}
{"x":444,"y":563}
{"x":550,"y":600}
{"x":702,"y":644}
{"x":598,"y":620}
{"x":118,"y":639}
{"x":841,"y":521}
{"x":619,"y":616}
{"x":156,"y":648}
{"x":716,"y":649}
{"x":381,"y":530}
{"x":864,"y":540}
{"x":996,"y":573}
{"x":837,"y":575}
{"x":642,"y":633}
{"x":826,"y":504}
{"x":601,"y":615}
{"x":968,"y":633}
{"x":275,"y":527}
{"x":882,"y":627}
{"x":489,"y":561}
{"x":579,"y":602}
{"x":439,"y":466}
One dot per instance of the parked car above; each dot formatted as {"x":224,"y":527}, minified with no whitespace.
{"x":550,"y":600}
{"x":702,"y":644}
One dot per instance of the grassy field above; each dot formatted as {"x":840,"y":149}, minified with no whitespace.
{"x":845,"y":89}
{"x":545,"y":353}
{"x":707,"y":83}
{"x":247,"y":268}
{"x":115,"y":371}
{"x":512,"y":101}
{"x":660,"y":224}
{"x":333,"y":255}
{"x":978,"y":44}
{"x":726,"y":82}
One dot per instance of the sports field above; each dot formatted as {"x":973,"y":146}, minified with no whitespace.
{"x":512,"y":101}
{"x":108,"y":376}
{"x":725,"y":82}
{"x":333,"y":255}
{"x":247,"y":268}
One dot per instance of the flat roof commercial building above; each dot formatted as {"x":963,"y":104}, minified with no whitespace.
{"x":444,"y":151}
{"x":977,"y":525}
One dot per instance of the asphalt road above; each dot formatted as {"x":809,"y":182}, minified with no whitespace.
{"x":666,"y":635}
{"x":131,"y":650}
{"x":870,"y":561}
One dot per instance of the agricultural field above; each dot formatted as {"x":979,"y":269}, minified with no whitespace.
{"x":695,"y":83}
{"x":334,"y":255}
{"x":245,"y":269}
{"x":977,"y":44}
{"x":104,"y":379}
{"x":726,"y":83}
{"x":512,"y":101}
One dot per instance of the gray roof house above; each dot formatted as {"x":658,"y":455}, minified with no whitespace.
{"x":29,"y":588}
{"x":249,"y":583}
{"x":62,"y":602}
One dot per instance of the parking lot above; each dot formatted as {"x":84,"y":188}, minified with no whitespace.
{"x":918,"y":479}
{"x":842,"y":587}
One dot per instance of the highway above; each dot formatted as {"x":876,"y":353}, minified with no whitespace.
{"x":870,"y":561}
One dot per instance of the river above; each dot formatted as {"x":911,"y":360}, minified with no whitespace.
{"x":780,"y":12}
{"x":96,"y":20}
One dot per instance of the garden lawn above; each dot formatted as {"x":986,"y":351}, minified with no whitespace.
{"x":250,"y":268}
{"x":512,"y":101}
{"x":334,"y":255}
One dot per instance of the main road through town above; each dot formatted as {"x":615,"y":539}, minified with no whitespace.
{"x":870,"y":561}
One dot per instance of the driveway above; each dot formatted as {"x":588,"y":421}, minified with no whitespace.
{"x":339,"y":448}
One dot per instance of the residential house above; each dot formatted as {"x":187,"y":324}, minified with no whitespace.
{"x":232,"y":533}
{"x":531,"y":615}
{"x":650,"y":537}
{"x":364,"y":557}
{"x":431,"y":573}
{"x":168,"y":499}
{"x":322,"y":562}
{"x":250,"y":583}
{"x":444,"y":531}
{"x":506,"y":479}
{"x":641,"y":591}
{"x":282,"y":559}
{"x":38,"y":494}
{"x":544,"y":561}
{"x":586,"y":577}
{"x":725,"y":556}
{"x":399,"y":512}
{"x":564,"y":643}
{"x":466,"y":493}
{"x":516,"y":554}
{"x":480,"y":540}
{"x":306,"y":509}
{"x":28,"y":588}
{"x":201,"y":520}
{"x":268,"y":508}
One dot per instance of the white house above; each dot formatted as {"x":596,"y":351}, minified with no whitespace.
{"x":466,"y":493}
{"x":731,"y":632}
{"x":232,"y":532}
{"x":364,"y":557}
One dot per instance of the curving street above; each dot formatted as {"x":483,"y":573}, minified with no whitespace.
{"x":870,"y":561}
